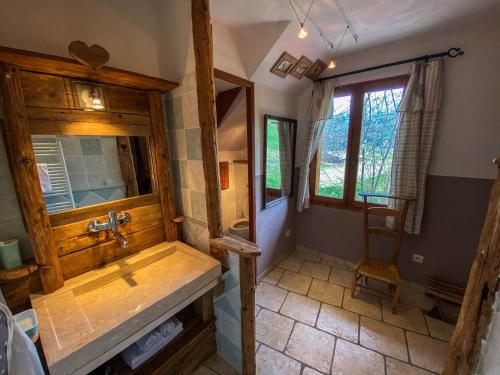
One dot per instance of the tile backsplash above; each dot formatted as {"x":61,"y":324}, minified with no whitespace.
{"x":181,"y":110}
{"x":93,"y":168}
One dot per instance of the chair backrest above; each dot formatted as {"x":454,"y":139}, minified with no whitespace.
{"x":399,"y":216}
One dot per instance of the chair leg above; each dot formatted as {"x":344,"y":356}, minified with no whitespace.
{"x":396,"y":299}
{"x":354,"y":281}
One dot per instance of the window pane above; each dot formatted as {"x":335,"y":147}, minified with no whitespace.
{"x":378,"y":132}
{"x":273,"y":174}
{"x":333,"y":150}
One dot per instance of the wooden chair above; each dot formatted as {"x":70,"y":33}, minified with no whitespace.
{"x":367,"y":267}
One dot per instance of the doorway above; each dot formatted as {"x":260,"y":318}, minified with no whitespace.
{"x":236,"y":152}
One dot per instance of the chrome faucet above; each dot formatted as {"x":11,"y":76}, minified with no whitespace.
{"x":115,"y":219}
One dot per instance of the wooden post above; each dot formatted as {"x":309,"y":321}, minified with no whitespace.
{"x":247,"y":295}
{"x":475,"y":314}
{"x":204,"y":306}
{"x":247,"y":252}
{"x":203,"y":48}
{"x":165,"y":185}
{"x":16,"y":131}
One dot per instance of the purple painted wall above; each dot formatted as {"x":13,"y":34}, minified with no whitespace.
{"x":272,"y":226}
{"x":455,"y":210}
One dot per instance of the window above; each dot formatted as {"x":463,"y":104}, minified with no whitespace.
{"x":355,"y":153}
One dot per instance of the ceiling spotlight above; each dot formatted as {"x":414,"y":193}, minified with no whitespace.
{"x":302,"y":33}
{"x":332,"y":64}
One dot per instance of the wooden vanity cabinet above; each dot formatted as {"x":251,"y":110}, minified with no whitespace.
{"x":40,"y":97}
{"x":184,"y":353}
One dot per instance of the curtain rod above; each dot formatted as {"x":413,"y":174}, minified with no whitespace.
{"x":452,"y":52}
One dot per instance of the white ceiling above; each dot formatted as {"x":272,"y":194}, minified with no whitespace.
{"x":375,"y":21}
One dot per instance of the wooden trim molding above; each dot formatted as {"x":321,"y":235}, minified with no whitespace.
{"x":225,"y":76}
{"x":165,"y":184}
{"x":237,"y":245}
{"x":16,"y":132}
{"x":250,"y":96}
{"x":76,"y":115}
{"x":61,"y":66}
{"x":48,"y":127}
{"x":83,"y":213}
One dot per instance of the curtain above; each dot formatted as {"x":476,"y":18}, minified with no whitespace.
{"x":419,"y":110}
{"x":285,"y":149}
{"x":320,"y":110}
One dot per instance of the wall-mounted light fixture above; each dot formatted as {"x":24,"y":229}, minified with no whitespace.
{"x":96,"y":98}
{"x":90,"y":97}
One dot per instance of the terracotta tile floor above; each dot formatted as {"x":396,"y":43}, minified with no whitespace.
{"x":307,"y":325}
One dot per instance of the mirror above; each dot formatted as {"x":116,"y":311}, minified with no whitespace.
{"x":78,"y":171}
{"x":279,"y":158}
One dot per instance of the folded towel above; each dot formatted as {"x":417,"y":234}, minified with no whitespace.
{"x":43,"y":175}
{"x":145,"y":343}
{"x":134,"y":357}
{"x":169,"y":326}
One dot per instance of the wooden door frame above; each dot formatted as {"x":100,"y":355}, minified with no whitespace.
{"x":250,"y":110}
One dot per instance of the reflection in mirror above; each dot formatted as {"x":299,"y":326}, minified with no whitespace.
{"x":78,"y":171}
{"x":279,"y":158}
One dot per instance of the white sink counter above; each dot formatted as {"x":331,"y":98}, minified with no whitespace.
{"x":99,"y":313}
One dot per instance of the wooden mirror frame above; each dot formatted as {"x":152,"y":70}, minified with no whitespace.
{"x":18,"y":120}
{"x":264,"y":172}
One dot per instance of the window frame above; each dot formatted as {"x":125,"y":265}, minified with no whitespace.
{"x":357,"y":91}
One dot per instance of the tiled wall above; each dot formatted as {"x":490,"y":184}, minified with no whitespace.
{"x":183,"y":129}
{"x":233,"y":198}
{"x":189,"y":186}
{"x":241,"y":189}
{"x":93,"y":168}
{"x":228,"y":201}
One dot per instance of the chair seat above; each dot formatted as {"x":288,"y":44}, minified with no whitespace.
{"x":378,"y":270}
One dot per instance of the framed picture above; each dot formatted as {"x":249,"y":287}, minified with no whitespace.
{"x":316,"y":69}
{"x":283,"y":65}
{"x":301,"y":67}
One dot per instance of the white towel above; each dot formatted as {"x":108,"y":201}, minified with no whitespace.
{"x":144,"y":344}
{"x":168,"y":327}
{"x":43,"y":175}
{"x":134,"y":357}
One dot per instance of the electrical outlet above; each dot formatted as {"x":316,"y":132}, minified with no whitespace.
{"x":418,"y":258}
{"x":288,"y":233}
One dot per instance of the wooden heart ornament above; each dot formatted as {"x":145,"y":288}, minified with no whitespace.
{"x":94,"y":56}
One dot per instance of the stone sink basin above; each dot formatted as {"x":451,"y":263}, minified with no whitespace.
{"x":98,"y":314}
